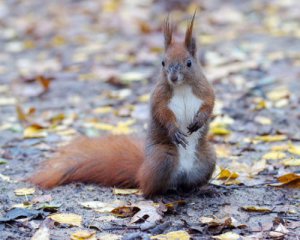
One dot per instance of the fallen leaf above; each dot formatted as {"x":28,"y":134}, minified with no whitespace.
{"x":271,"y":138}
{"x":274,"y":155}
{"x":84,"y":235}
{"x":229,"y":222}
{"x":294,"y":149}
{"x":103,"y":207}
{"x":148,"y":214}
{"x":43,"y":233}
{"x":125,"y":211}
{"x":291,"y":162}
{"x":24,"y":191}
{"x":120,"y":191}
{"x":256,"y":209}
{"x":177,"y":235}
{"x":227,"y":236}
{"x":263,"y":120}
{"x":34,"y":131}
{"x":291,"y":180}
{"x":67,"y":218}
{"x":221,"y":131}
{"x":227,"y":174}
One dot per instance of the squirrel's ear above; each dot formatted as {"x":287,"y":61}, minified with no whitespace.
{"x":189,"y":40}
{"x":168,"y":31}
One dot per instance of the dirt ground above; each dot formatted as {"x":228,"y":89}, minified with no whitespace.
{"x":86,"y":67}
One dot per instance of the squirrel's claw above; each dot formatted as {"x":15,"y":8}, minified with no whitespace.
{"x":179,"y":138}
{"x":193,"y":127}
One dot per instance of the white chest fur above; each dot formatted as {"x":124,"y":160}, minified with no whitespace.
{"x":185,"y":105}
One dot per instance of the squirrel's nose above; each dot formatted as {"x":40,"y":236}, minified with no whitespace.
{"x":174,"y":78}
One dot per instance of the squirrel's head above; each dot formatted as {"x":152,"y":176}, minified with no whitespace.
{"x":179,"y":64}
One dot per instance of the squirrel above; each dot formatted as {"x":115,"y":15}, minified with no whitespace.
{"x":176,"y":154}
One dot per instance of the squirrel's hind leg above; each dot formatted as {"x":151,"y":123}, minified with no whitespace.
{"x":155,"y":174}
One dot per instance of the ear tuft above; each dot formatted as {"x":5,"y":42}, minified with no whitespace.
{"x":189,"y":40}
{"x":168,"y":32}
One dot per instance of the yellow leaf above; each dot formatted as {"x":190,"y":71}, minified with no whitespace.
{"x":84,"y":235}
{"x":227,"y":174}
{"x":256,"y":209}
{"x":222,"y":151}
{"x":294,"y":149}
{"x":177,"y":235}
{"x":257,"y":167}
{"x":144,"y":98}
{"x":271,"y":138}
{"x":24,"y":191}
{"x":34,"y":131}
{"x":221,"y":131}
{"x":261,"y":104}
{"x":280,"y":148}
{"x":263,"y":120}
{"x":103,"y":126}
{"x":102,"y":110}
{"x":227,"y":236}
{"x":274,"y":155}
{"x":120,"y":191}
{"x":22,"y":205}
{"x":278,"y":93}
{"x":67,"y":218}
{"x":291,"y":162}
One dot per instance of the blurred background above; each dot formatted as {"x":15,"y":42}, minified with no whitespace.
{"x":70,"y":67}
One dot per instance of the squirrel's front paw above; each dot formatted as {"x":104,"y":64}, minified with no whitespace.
{"x":178,"y":138}
{"x":193,"y":127}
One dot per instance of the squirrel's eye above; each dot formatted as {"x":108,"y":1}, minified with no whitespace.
{"x":189,"y":63}
{"x":163,"y":63}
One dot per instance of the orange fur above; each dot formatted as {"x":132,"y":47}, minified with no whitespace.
{"x":109,"y":161}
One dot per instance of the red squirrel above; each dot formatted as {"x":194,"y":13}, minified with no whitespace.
{"x":176,"y":154}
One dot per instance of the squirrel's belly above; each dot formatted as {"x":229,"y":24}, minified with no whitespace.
{"x":185,"y":106}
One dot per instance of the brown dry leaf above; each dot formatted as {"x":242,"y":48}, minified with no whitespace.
{"x":67,"y":218}
{"x":121,"y":191}
{"x":43,"y":233}
{"x":24,"y":191}
{"x":177,"y":235}
{"x":227,"y":236}
{"x":291,"y":180}
{"x":226,"y":222}
{"x":274,"y":155}
{"x":84,"y":235}
{"x":125,"y":211}
{"x":24,"y":116}
{"x":256,"y":209}
{"x":171,"y":206}
{"x":44,"y":82}
{"x":271,"y":138}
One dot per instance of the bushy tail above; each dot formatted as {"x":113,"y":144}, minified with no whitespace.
{"x":108,"y":161}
